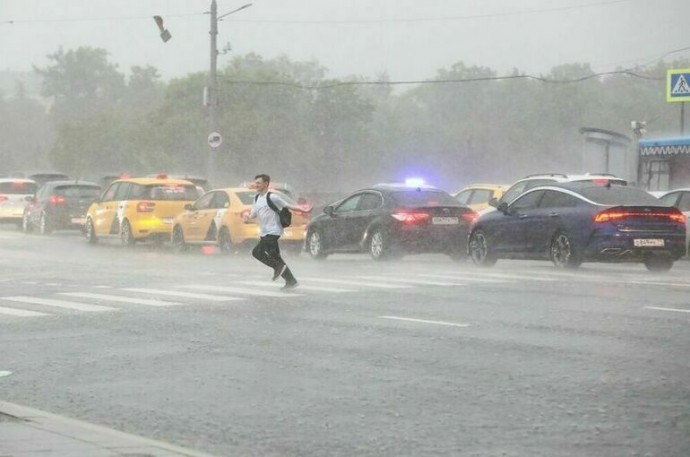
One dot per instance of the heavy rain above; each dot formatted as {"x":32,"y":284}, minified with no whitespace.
{"x":344,"y":229}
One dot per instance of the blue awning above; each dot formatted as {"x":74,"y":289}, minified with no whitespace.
{"x":665,"y":146}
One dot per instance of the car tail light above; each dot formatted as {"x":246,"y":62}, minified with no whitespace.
{"x":411,"y":218}
{"x":56,"y":200}
{"x":611,"y":215}
{"x":3,"y":198}
{"x":470,"y":216}
{"x":145,"y":207}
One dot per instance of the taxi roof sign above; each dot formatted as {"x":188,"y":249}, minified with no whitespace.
{"x":678,"y":85}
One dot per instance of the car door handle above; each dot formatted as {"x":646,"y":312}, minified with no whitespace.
{"x":554,"y":215}
{"x":523,"y":216}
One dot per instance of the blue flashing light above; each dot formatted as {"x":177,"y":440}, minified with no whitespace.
{"x":414,"y":182}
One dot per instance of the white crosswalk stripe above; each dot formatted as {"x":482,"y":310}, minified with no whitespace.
{"x":419,"y":282}
{"x":301,"y":286}
{"x":238,"y":290}
{"x":121,"y":299}
{"x":60,"y":304}
{"x":20,"y":312}
{"x":466,"y":278}
{"x":358,"y":283}
{"x":180,"y":294}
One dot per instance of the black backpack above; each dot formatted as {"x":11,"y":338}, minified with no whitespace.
{"x":284,"y":214}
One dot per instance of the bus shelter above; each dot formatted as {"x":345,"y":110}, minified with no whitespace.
{"x":664,"y":163}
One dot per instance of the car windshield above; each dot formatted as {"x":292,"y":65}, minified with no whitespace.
{"x":78,"y":191}
{"x":17,"y":187}
{"x":412,"y":198}
{"x":619,"y":195}
{"x":172,"y":192}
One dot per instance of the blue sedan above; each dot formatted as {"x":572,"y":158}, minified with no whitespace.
{"x":571,"y":223}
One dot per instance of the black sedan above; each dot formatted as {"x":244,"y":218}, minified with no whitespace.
{"x":571,"y":223}
{"x":59,"y":205}
{"x":390,"y":220}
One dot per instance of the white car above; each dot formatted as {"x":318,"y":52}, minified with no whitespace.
{"x":13,"y":193}
{"x":680,"y":198}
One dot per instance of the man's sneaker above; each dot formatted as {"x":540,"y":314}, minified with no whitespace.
{"x":279,"y":271}
{"x":289,"y":285}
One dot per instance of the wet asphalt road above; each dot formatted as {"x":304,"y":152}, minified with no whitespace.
{"x":423,"y":356}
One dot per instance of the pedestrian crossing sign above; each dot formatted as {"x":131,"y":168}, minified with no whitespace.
{"x":678,"y":85}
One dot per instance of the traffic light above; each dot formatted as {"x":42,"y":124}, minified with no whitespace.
{"x":165,"y":35}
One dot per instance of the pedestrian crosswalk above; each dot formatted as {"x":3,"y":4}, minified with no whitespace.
{"x":229,"y":288}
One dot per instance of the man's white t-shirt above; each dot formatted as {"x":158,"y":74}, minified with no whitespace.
{"x":269,"y":220}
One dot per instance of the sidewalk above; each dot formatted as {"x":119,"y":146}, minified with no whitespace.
{"x":28,"y":432}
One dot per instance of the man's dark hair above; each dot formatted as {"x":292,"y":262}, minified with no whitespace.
{"x":263,"y":177}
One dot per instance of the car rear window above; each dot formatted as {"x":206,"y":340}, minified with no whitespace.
{"x":173,"y":192}
{"x":78,"y":191}
{"x":423,"y":198}
{"x":17,"y":187}
{"x":619,"y":195}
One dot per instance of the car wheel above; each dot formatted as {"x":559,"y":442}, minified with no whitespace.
{"x":126,"y":235}
{"x":480,"y":251}
{"x":177,"y":240}
{"x":563,"y":252}
{"x":315,"y":245}
{"x":90,"y":232}
{"x":44,"y":226}
{"x":26,"y":224}
{"x":658,"y":263}
{"x":379,"y":245}
{"x":224,"y":241}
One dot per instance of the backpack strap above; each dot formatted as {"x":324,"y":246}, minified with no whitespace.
{"x":270,"y":203}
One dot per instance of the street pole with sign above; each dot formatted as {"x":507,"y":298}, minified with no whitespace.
{"x":211,"y":98}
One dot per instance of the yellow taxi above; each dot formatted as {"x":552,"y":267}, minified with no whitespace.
{"x":477,"y":196}
{"x":138,"y":209}
{"x":216,"y":218}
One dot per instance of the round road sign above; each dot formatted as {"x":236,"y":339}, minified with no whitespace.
{"x":215,"y":139}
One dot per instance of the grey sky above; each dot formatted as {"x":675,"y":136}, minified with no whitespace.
{"x":409,"y":39}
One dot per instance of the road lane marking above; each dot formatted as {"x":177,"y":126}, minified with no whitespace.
{"x":118,"y":298}
{"x":181,"y":294}
{"x":675,"y":310}
{"x":358,"y":283}
{"x":420,"y":282}
{"x":61,"y":304}
{"x":654,"y":283}
{"x":464,"y":278}
{"x":239,"y":290}
{"x":20,"y":312}
{"x":301,"y":286}
{"x":424,"y":321}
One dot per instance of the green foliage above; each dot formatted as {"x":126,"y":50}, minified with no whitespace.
{"x":290,"y":120}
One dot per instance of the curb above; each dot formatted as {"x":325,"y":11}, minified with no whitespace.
{"x":85,"y":432}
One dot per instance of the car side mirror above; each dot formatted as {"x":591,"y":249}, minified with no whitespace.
{"x":328,"y":210}
{"x":188,"y":207}
{"x":493,"y":202}
{"x":503,"y":207}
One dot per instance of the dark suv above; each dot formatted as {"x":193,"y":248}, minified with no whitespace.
{"x":59,"y":205}
{"x":390,"y":220}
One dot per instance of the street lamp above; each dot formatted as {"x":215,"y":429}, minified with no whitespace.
{"x":212,"y":95}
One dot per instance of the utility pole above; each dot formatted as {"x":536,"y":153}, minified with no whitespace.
{"x":212,"y":98}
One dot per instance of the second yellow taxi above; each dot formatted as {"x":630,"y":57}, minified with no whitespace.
{"x":217,"y":218}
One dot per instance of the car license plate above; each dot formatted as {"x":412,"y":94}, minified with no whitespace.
{"x":648,"y":243}
{"x":444,"y":220}
{"x":79,"y":220}
{"x":167,"y":220}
